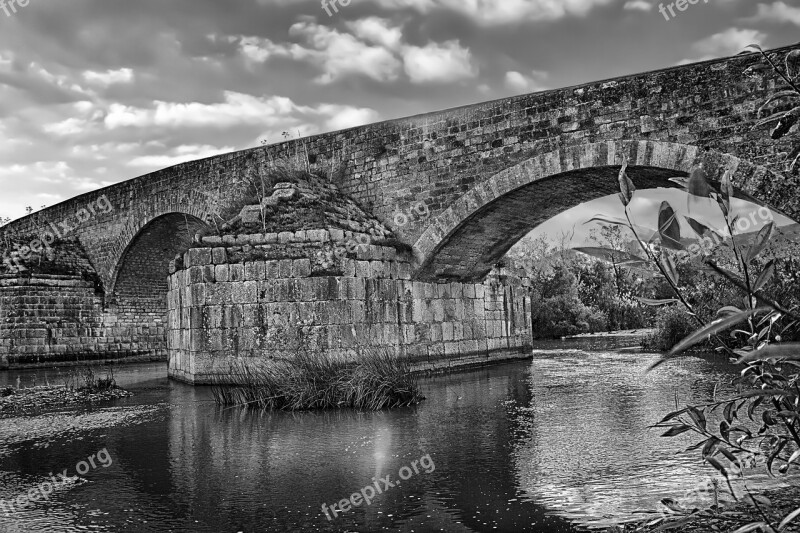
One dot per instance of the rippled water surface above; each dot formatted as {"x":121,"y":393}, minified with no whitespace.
{"x":552,"y":444}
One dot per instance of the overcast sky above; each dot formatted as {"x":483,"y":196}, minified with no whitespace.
{"x":94,"y":92}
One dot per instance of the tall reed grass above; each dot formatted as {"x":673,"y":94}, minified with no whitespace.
{"x":311,"y":381}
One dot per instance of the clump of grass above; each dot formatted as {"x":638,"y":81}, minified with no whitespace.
{"x":376,"y":380}
{"x":85,"y":380}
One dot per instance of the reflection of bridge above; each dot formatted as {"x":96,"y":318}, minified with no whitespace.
{"x":487,"y":174}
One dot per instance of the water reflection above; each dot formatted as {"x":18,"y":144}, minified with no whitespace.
{"x":542,"y":445}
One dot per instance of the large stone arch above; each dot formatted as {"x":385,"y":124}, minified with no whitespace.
{"x":469,"y":237}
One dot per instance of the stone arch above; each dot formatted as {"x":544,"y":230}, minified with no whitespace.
{"x":469,"y":237}
{"x":138,"y":298}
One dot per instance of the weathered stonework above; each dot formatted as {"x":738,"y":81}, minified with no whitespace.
{"x":486,"y":174}
{"x":52,"y":319}
{"x":221,"y":311}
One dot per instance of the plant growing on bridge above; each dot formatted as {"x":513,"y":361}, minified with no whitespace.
{"x":760,"y":425}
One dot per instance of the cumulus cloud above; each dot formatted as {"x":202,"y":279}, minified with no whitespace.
{"x":779,"y":12}
{"x":521,"y":83}
{"x":726,"y":43}
{"x":375,"y":49}
{"x":109,"y":77}
{"x":495,"y":13}
{"x":637,"y":5}
{"x":439,"y":63}
{"x":177,"y":155}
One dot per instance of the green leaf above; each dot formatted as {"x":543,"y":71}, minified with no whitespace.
{"x":762,"y":239}
{"x":716,"y":464}
{"x":726,"y":193}
{"x":626,"y":186}
{"x":668,"y":264}
{"x":607,"y":220}
{"x":698,"y":417}
{"x":789,"y":518}
{"x":703,"y":333}
{"x":671,"y":415}
{"x":701,"y":229}
{"x":676,"y":430}
{"x":775,"y":97}
{"x":656,"y":303}
{"x":755,"y":526}
{"x":728,"y":310}
{"x":711,"y":446}
{"x":790,"y":351}
{"x":698,"y":184}
{"x":765,"y":277}
{"x":669,"y":228}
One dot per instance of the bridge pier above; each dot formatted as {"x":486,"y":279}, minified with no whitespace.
{"x":260,"y":299}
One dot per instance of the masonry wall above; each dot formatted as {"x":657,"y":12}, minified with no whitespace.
{"x":46,"y":319}
{"x":220,"y":311}
{"x":436,"y":157}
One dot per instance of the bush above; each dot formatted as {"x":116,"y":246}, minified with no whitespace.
{"x":308,"y":381}
{"x":565,"y":315}
{"x":673,"y":324}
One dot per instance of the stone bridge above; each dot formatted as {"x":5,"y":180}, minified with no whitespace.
{"x":453,"y":190}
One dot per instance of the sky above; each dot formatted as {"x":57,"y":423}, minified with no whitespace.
{"x":95,"y":92}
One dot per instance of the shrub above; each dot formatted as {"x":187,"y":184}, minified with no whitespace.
{"x":565,"y":315}
{"x":673,"y":325}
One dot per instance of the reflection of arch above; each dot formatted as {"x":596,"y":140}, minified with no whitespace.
{"x":468,"y":238}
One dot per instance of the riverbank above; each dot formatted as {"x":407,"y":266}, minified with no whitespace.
{"x":783,"y":501}
{"x":15,"y":402}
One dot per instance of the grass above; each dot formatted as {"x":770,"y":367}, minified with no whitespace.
{"x":377,"y":380}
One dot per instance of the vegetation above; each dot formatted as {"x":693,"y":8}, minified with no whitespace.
{"x":760,"y":425}
{"x":578,"y":293}
{"x":310,"y":381}
{"x":81,"y":386}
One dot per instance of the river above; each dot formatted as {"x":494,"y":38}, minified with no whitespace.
{"x":556,"y":443}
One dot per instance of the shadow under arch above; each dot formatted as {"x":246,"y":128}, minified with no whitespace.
{"x":138,"y":292}
{"x":465,"y":241}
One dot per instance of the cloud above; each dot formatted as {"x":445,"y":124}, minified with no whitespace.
{"x":109,"y":77}
{"x":177,"y":155}
{"x":439,"y":63}
{"x":637,"y":5}
{"x":496,"y":13}
{"x":521,"y":83}
{"x":778,"y":12}
{"x":729,"y":42}
{"x":375,"y":49}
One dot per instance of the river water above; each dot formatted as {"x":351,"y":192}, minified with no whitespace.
{"x":556,"y":443}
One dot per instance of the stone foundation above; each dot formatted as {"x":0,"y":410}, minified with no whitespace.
{"x":49,"y":319}
{"x":229,"y":304}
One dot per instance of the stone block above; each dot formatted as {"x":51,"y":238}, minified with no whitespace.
{"x":236,"y":272}
{"x":219,"y":256}
{"x":221,"y":273}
